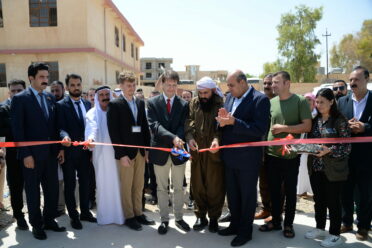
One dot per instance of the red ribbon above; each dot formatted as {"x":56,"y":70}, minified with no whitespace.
{"x":285,"y":149}
{"x":278,"y":142}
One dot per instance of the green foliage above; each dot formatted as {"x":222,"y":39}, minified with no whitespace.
{"x":272,"y":67}
{"x":249,"y":75}
{"x":297,"y":42}
{"x":354,"y":49}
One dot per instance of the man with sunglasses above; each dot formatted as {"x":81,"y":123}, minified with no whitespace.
{"x":339,"y":88}
{"x":14,"y":170}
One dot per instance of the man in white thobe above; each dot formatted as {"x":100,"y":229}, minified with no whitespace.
{"x":109,"y":210}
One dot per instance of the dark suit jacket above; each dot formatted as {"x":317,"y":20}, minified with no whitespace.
{"x":251,"y":123}
{"x":5,"y":125}
{"x":120,"y":121}
{"x":69,"y":125}
{"x":165,"y":127}
{"x":30,"y":124}
{"x":359,"y":151}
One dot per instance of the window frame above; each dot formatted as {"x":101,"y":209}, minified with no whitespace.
{"x":117,"y":38}
{"x":4,"y":82}
{"x":37,"y":19}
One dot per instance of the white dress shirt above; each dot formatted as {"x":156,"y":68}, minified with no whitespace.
{"x":237,"y":101}
{"x":359,"y":106}
{"x":171,"y":99}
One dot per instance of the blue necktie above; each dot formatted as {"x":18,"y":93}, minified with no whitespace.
{"x":80,"y":113}
{"x":43,"y":107}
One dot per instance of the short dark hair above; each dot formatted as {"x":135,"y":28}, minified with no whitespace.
{"x":126,"y":76}
{"x":188,"y":91}
{"x":268,"y":75}
{"x":241,"y":76}
{"x":340,"y":81}
{"x":35,"y":67}
{"x":17,"y":82}
{"x":57,"y":83}
{"x":328,"y":94}
{"x":170,"y":75}
{"x":365,"y":71}
{"x":72,"y":75}
{"x":285,"y":75}
{"x":139,"y":90}
{"x":155,"y":92}
{"x":94,"y":89}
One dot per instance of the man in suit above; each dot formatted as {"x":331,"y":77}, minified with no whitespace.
{"x":71,"y":113}
{"x":127,"y":124}
{"x":33,"y":119}
{"x":357,"y":108}
{"x":244,"y":118}
{"x":14,"y":167}
{"x":167,"y":115}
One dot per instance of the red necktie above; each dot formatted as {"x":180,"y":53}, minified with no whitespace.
{"x":168,"y":106}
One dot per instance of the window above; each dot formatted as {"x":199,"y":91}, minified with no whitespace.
{"x":132,"y":50}
{"x":141,"y":77}
{"x":160,"y":65}
{"x":136,"y":53}
{"x":43,"y":13}
{"x":1,"y":15}
{"x":124,"y":48}
{"x":117,"y":76}
{"x":116,"y":37}
{"x":2,"y":75}
{"x":148,"y":65}
{"x":148,"y":75}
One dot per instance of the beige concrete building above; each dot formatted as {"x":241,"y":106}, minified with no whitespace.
{"x":88,"y":37}
{"x":151,"y":69}
{"x":193,"y":74}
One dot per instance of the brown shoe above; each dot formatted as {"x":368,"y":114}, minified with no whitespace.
{"x":362,"y":234}
{"x":262,"y":215}
{"x":345,"y":229}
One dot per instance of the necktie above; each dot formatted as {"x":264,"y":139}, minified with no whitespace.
{"x":80,"y":112}
{"x":168,"y":106}
{"x":42,"y":104}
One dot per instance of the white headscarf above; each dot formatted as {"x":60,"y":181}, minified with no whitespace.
{"x":208,"y":83}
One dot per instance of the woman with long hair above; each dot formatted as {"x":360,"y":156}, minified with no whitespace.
{"x":328,"y":169}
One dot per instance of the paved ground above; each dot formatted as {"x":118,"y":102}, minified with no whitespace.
{"x":120,"y":236}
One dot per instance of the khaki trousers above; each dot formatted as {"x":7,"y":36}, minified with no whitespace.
{"x":162,"y":176}
{"x":131,"y":186}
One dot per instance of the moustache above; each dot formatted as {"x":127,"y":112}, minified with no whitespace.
{"x":106,"y":100}
{"x":44,"y":83}
{"x":354,"y":86}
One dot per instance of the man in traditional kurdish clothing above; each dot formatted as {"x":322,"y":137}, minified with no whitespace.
{"x":207,"y":171}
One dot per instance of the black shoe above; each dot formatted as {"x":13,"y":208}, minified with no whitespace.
{"x":227,"y":232}
{"x":133,"y":224}
{"x":239,"y":241}
{"x":22,"y":224}
{"x":39,"y":233}
{"x":213,"y":226}
{"x":163,"y":228}
{"x":225,"y":218}
{"x":76,"y":224}
{"x":52,"y":225}
{"x":200,"y":224}
{"x":89,"y":218}
{"x":60,"y":213}
{"x":142,"y":219}
{"x":181,"y":224}
{"x":92,"y":205}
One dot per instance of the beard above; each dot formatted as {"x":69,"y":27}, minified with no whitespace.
{"x":339,"y":95}
{"x":206,"y":104}
{"x":76,"y":93}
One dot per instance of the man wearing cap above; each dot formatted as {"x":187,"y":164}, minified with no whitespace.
{"x":207,"y":171}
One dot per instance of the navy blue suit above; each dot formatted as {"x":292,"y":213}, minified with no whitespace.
{"x":30,"y":124}
{"x":76,"y":158}
{"x":360,"y":167}
{"x":242,"y":164}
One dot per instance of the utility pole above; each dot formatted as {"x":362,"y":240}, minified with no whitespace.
{"x":326,"y":35}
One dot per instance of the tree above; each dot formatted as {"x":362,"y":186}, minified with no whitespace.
{"x":297,"y":41}
{"x":272,"y":67}
{"x":354,"y":49}
{"x":249,"y":75}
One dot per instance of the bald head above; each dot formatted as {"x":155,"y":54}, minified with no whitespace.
{"x":237,"y":83}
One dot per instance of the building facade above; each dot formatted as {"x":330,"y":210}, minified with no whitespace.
{"x":88,"y":37}
{"x":152,"y":68}
{"x":193,"y":73}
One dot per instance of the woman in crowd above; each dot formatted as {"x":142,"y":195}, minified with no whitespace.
{"x":328,"y":168}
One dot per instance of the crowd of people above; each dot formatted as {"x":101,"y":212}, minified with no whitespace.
{"x":114,"y":177}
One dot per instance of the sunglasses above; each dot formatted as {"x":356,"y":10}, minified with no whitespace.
{"x":341,"y":88}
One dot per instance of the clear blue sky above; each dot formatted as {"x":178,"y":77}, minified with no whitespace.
{"x":230,"y":34}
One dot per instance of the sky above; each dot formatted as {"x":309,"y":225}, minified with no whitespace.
{"x":231,"y":34}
